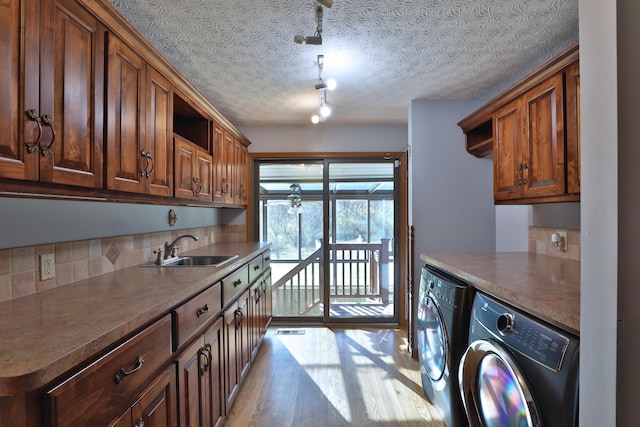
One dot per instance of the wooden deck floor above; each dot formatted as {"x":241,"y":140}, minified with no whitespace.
{"x":328,"y":377}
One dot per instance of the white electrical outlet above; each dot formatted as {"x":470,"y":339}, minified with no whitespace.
{"x":47,"y":267}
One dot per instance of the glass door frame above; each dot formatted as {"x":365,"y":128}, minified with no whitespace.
{"x":401,"y":248}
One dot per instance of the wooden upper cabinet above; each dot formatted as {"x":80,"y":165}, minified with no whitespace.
{"x":507,"y":152}
{"x":139,"y":118}
{"x":529,"y":153}
{"x":193,"y":170}
{"x":158,"y":134}
{"x":572,"y":79}
{"x":240,"y":173}
{"x":52,"y":111}
{"x":533,"y":129}
{"x":16,"y":130}
{"x":544,"y":158}
{"x":219,"y":160}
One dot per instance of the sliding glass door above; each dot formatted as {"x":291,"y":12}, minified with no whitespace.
{"x":332,"y":225}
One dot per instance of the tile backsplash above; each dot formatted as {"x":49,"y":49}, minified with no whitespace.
{"x":20,"y":267}
{"x":540,"y":243}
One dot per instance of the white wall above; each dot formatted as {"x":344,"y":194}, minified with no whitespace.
{"x":599,"y":91}
{"x":451,"y":191}
{"x":326,"y":137}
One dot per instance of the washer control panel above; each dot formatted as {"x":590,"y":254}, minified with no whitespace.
{"x":521,"y":332}
{"x":444,"y":290}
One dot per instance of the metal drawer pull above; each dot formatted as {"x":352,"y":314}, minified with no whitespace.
{"x":122,"y":373}
{"x":202,"y":310}
{"x":256,"y":267}
{"x":139,"y":423}
{"x":237,"y":283}
{"x":204,"y":367}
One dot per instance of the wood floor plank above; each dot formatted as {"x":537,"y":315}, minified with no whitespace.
{"x":331,"y":377}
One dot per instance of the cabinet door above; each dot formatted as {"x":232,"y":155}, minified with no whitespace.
{"x":227,"y":182}
{"x":204,"y":173}
{"x":213,"y":345}
{"x":507,"y":156}
{"x":191,"y":384}
{"x":219,"y":175}
{"x":572,"y":77}
{"x":185,"y":155}
{"x":239,"y":173}
{"x":544,"y":158}
{"x":159,"y":132}
{"x":125,"y":124}
{"x":71,"y":95}
{"x":231,"y":342}
{"x":244,"y":333}
{"x":157,"y":405}
{"x":267,"y":301}
{"x":193,"y":171}
{"x":16,"y":97}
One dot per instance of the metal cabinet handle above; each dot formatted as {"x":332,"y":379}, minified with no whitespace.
{"x":256,"y":267}
{"x":198,"y":189}
{"x":122,"y":373}
{"x":225,"y":185}
{"x":46,"y":151}
{"x":237,"y":283}
{"x":139,"y":423}
{"x":257,"y":294}
{"x":34,"y":147}
{"x":202,"y":310}
{"x":203,"y":368}
{"x":239,"y":316}
{"x":524,"y":180}
{"x":146,"y":171}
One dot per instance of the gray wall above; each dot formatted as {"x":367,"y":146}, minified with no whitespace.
{"x":26,"y":222}
{"x":451,"y":191}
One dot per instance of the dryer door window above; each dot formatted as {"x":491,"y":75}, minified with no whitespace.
{"x":432,"y":339}
{"x":494,"y":392}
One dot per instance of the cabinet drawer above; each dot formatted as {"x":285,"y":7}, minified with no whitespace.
{"x":108,"y":386}
{"x":266,"y":260}
{"x":255,"y":268}
{"x":196,"y":313}
{"x":234,"y":283}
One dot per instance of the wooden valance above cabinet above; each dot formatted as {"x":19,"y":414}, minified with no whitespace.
{"x":532,"y":131}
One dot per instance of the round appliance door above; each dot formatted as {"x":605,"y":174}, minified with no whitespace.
{"x":494,"y":391}
{"x":433,"y":344}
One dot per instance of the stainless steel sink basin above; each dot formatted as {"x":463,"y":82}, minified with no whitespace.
{"x":197,"y":261}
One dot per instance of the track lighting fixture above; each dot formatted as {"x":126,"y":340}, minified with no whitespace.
{"x":322,"y":85}
{"x":315,"y":39}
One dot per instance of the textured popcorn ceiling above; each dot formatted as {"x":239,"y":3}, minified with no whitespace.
{"x":241,"y":55}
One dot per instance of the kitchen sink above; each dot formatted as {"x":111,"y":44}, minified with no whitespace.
{"x":196,"y":261}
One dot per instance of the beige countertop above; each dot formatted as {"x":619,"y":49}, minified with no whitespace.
{"x":46,"y":334}
{"x":547,"y":287}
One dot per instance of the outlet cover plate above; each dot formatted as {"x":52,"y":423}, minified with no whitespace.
{"x":47,"y":267}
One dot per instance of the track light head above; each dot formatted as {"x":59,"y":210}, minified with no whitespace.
{"x":312,"y":40}
{"x":321,"y":85}
{"x":326,"y":3}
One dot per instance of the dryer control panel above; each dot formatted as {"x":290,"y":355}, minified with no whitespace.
{"x":527,"y":335}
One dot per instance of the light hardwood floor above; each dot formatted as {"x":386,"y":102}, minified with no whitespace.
{"x":330,"y":377}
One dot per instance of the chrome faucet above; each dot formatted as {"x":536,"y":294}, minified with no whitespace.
{"x":170,"y":248}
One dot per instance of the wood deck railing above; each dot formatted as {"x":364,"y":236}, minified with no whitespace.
{"x":358,"y":271}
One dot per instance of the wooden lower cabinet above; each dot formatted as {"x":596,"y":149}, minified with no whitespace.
{"x":201,"y":379}
{"x":237,"y":329}
{"x":156,"y":407}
